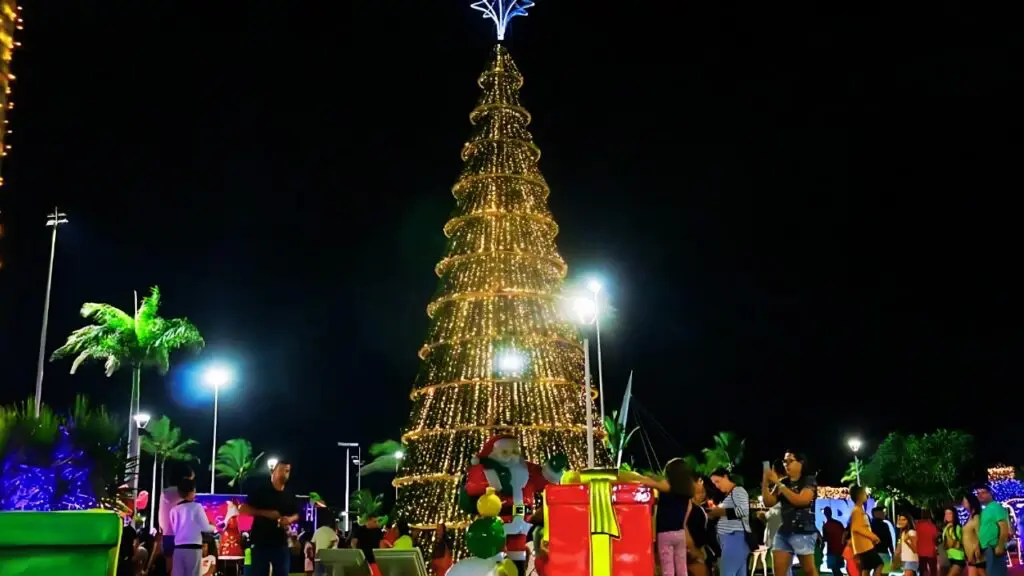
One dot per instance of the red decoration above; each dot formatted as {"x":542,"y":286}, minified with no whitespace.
{"x":568,"y":529}
{"x":142,"y":502}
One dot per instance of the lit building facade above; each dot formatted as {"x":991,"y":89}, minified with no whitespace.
{"x":10,"y":24}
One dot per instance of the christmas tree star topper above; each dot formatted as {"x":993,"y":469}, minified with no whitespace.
{"x":502,"y":11}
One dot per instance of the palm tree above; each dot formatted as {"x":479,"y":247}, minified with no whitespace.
{"x":615,"y":435}
{"x":727,"y":452}
{"x":365,"y":504}
{"x":164,"y":442}
{"x":387,"y":456}
{"x":235,"y":461}
{"x":140,"y":341}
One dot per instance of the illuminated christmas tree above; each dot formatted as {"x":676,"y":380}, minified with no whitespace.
{"x":499,"y":356}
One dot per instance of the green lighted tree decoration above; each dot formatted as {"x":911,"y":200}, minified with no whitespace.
{"x":118,"y":339}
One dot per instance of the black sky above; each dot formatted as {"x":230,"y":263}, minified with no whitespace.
{"x":794,"y":206}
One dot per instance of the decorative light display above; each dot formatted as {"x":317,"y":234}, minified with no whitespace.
{"x":62,"y":482}
{"x":997,"y":473}
{"x":833,"y":493}
{"x":502,"y":11}
{"x":499,"y":356}
{"x":10,"y":21}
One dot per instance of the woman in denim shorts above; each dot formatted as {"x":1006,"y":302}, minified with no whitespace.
{"x":906,"y":549}
{"x":798,"y":533}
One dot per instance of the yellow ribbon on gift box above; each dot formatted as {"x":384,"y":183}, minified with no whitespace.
{"x":603,"y":524}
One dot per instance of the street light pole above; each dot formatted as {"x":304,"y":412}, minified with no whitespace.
{"x":595,"y":287}
{"x":213,"y":457}
{"x":54,"y":220}
{"x":141,"y":421}
{"x":398,"y":460}
{"x":348,"y":459}
{"x":855,"y":444}
{"x":216,"y":376}
{"x":588,"y":403}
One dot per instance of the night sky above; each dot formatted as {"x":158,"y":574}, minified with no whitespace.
{"x":803,"y":215}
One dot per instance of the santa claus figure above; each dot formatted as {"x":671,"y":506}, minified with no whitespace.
{"x":500,"y":465}
{"x":231,"y":538}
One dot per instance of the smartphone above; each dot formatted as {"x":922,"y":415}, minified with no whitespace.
{"x":766,"y":465}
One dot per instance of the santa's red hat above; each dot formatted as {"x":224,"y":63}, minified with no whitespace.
{"x":488,"y":447}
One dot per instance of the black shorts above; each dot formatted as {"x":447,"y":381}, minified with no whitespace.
{"x":869,"y":560}
{"x":978,"y":564}
{"x":960,"y":563}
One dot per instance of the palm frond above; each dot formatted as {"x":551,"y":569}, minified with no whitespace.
{"x":235,"y":460}
{"x":384,"y":463}
{"x":148,"y":315}
{"x":107,"y":315}
{"x":385,"y":447}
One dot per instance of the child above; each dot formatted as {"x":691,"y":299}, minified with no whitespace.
{"x":188,"y":521}
{"x":208,"y":566}
{"x":308,"y":554}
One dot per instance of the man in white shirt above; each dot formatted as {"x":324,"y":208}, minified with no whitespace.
{"x":168,"y":499}
{"x":325,"y":538}
{"x":189,"y":522}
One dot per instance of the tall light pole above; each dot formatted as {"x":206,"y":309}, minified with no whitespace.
{"x":54,"y":220}
{"x":588,"y":403}
{"x":348,"y":446}
{"x":216,"y":376}
{"x":141,"y":421}
{"x":855,"y":444}
{"x":398,"y":460}
{"x":586,"y":310}
{"x":595,"y":287}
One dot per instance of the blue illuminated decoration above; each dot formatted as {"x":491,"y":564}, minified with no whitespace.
{"x":502,"y":11}
{"x":61,"y":481}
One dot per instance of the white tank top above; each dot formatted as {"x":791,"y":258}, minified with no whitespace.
{"x":906,"y":554}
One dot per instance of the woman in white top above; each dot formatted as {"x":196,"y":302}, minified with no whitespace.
{"x":906,"y":549}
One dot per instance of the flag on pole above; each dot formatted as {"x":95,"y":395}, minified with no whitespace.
{"x":623,"y":418}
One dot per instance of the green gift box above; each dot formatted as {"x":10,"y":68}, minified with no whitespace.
{"x":83,"y":543}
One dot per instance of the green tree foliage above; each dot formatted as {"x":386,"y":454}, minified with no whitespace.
{"x":235,"y":461}
{"x":117,"y":339}
{"x":163,"y":440}
{"x":616,"y":434}
{"x":727,"y":452}
{"x":385,"y":457}
{"x":850,"y":476}
{"x":366,"y":504}
{"x":29,"y":442}
{"x":927,"y":470}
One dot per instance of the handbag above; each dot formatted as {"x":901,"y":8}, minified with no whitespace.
{"x":753,"y":543}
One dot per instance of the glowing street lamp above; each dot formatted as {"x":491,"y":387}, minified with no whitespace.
{"x":141,"y":420}
{"x":399,"y":454}
{"x":855,"y":444}
{"x":216,"y":376}
{"x":272,"y":463}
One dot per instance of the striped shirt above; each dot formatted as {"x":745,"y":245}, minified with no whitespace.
{"x":740,"y":501}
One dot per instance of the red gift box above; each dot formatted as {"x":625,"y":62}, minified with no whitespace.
{"x":579,"y":533}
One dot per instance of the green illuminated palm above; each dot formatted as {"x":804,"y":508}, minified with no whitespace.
{"x":235,"y":461}
{"x":385,"y":457}
{"x":118,"y":339}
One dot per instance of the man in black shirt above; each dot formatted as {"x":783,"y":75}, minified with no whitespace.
{"x":880,"y":527}
{"x":274,"y":510}
{"x":367,"y":537}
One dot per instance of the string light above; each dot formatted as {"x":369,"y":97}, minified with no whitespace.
{"x":499,"y":355}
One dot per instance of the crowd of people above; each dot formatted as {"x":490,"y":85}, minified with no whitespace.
{"x":184,"y":543}
{"x":697,"y":535}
